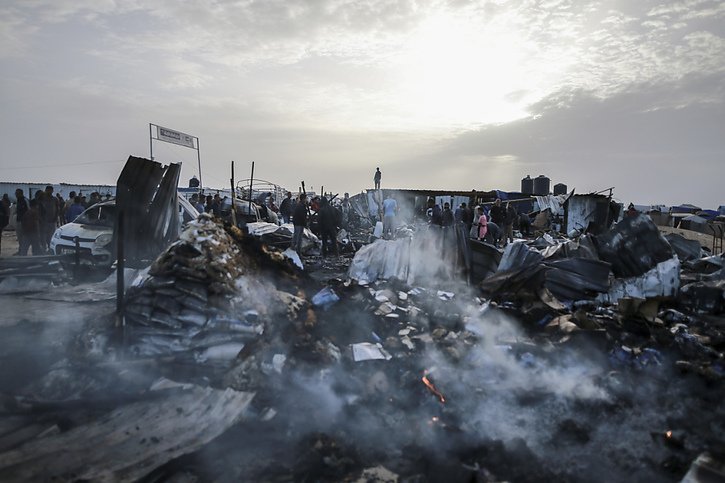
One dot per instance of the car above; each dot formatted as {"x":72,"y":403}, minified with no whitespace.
{"x":93,"y":230}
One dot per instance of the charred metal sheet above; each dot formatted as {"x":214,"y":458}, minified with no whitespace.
{"x":131,"y":440}
{"x":574,"y":279}
{"x":146,"y":193}
{"x":686,"y":249}
{"x":633,"y":246}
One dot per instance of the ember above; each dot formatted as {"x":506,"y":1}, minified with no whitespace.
{"x":235,"y":365}
{"x":431,"y":387}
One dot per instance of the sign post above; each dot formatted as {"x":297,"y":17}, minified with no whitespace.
{"x":174,"y":137}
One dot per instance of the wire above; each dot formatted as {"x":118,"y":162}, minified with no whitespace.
{"x":60,"y":165}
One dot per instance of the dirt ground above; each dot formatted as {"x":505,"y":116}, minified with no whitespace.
{"x":9,"y":243}
{"x":705,"y":240}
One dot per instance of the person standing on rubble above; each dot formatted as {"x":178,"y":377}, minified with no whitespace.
{"x":390,"y":209}
{"x":481,"y":224}
{"x":446,"y":215}
{"x":508,"y":231}
{"x":328,"y":227}
{"x":498,"y":214}
{"x":377,"y":177}
{"x":299,"y":220}
{"x":285,"y":209}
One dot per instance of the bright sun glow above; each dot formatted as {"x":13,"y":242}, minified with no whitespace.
{"x":454,"y":72}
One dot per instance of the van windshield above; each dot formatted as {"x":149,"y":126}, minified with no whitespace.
{"x":103,"y":215}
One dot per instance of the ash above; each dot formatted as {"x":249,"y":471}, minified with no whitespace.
{"x":235,"y":365}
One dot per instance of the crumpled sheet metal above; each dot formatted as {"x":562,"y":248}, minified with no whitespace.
{"x":568,"y":280}
{"x":131,"y":440}
{"x":633,"y":247}
{"x":661,"y":281}
{"x":686,"y":250}
{"x":432,"y":254}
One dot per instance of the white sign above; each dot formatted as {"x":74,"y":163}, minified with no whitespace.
{"x":175,"y":137}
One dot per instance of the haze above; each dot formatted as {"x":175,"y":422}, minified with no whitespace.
{"x":447,"y":95}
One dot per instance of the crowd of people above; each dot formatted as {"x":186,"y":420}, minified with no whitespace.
{"x":494,"y":225}
{"x":36,"y":219}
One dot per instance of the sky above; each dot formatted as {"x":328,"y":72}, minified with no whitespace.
{"x":440,"y":95}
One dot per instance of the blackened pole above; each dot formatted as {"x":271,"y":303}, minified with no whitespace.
{"x":151,"y":142}
{"x":251,"y":181}
{"x":198,"y":159}
{"x":120,"y":259}
{"x":234,"y":211}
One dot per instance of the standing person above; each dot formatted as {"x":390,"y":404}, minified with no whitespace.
{"x":525,"y":224}
{"x":481,"y":224}
{"x":31,"y":230}
{"x":511,"y":216}
{"x":216,"y":205}
{"x":285,"y":208}
{"x":209,"y":202}
{"x":71,"y":199}
{"x":447,"y":215}
{"x":494,"y":234}
{"x":436,"y":215}
{"x":345,"y":209}
{"x":467,"y":217}
{"x":21,"y":207}
{"x":299,"y":220}
{"x":377,"y":177}
{"x":48,"y":217}
{"x":4,"y":216}
{"x":60,"y":203}
{"x":498,"y":213}
{"x":74,"y":211}
{"x":390,"y":208}
{"x":328,"y":227}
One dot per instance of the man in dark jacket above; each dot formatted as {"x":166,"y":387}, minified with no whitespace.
{"x":498,"y":213}
{"x":328,"y":227}
{"x":299,"y":220}
{"x":285,"y":209}
{"x":21,"y":207}
{"x":447,"y":215}
{"x":511,"y":218}
{"x":48,"y":216}
{"x":31,"y":230}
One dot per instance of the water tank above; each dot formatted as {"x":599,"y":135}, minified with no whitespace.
{"x":559,"y":189}
{"x":527,"y":185}
{"x":541,"y":185}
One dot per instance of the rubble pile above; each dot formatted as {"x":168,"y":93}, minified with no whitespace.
{"x":576,"y":360}
{"x":198,"y":296}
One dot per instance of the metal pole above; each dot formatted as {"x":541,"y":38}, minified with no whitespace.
{"x":198,"y":159}
{"x":251,"y":181}
{"x":77,"y":264}
{"x":234,"y":211}
{"x":151,"y":142}
{"x":120,"y":262}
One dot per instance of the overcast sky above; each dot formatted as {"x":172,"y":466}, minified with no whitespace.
{"x":455,"y":95}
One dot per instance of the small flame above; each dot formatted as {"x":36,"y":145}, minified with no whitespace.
{"x":668,"y":434}
{"x":432,"y":388}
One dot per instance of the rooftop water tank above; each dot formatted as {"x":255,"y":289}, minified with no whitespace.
{"x":527,"y":185}
{"x":541,"y":185}
{"x":559,"y":189}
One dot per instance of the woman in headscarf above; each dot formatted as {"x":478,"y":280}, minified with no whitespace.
{"x":481,"y":222}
